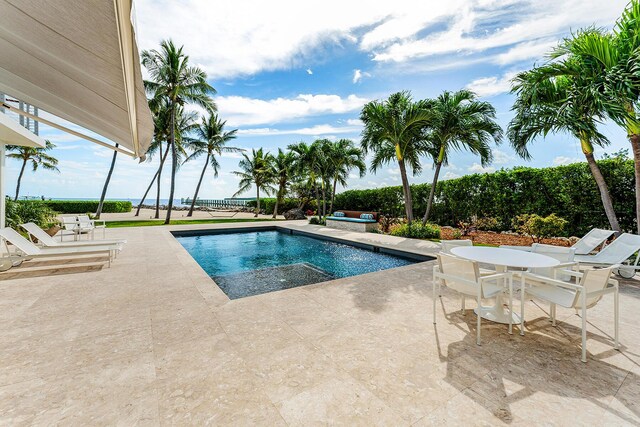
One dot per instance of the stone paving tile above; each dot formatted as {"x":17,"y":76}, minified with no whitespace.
{"x":153,"y":341}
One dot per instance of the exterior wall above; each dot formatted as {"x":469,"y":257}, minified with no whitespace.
{"x":362,"y":227}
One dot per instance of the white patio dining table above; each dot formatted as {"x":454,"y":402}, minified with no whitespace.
{"x":502,"y":259}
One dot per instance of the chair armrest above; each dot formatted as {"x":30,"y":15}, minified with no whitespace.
{"x":505,"y":275}
{"x":565,"y":264}
{"x":549,"y":281}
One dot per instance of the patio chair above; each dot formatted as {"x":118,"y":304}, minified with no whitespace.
{"x":90,"y":224}
{"x":616,"y":253}
{"x":563,"y":254}
{"x":594,"y":238}
{"x":71,"y":225}
{"x":592,"y":285}
{"x":447,"y":245}
{"x":463,"y":276}
{"x":30,"y":250}
{"x":45,"y":239}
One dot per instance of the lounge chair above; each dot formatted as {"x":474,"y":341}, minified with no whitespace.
{"x":594,"y":238}
{"x":463,"y":276}
{"x":618,"y":252}
{"x":45,"y":239}
{"x":30,"y":250}
{"x":596,"y":283}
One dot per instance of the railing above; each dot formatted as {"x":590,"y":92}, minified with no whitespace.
{"x":216,"y":203}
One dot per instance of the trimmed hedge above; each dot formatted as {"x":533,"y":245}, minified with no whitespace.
{"x":268,"y":203}
{"x":568,"y":191}
{"x":84,"y":206}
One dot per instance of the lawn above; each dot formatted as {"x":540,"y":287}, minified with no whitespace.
{"x":153,"y":222}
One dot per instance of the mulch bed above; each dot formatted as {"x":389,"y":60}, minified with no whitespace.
{"x":497,"y":239}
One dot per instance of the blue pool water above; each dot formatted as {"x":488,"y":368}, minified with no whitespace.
{"x":251,"y":263}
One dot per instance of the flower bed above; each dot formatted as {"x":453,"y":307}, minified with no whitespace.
{"x":497,"y":239}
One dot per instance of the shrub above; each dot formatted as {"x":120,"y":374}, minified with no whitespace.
{"x":487,"y":223}
{"x":317,"y":221}
{"x":416,"y":230}
{"x":538,"y":227}
{"x":85,"y":206}
{"x":268,"y":203}
{"x":386,"y":222}
{"x":24,"y":211}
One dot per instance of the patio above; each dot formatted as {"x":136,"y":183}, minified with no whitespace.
{"x":153,"y":341}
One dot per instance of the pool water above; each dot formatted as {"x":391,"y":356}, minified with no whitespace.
{"x":251,"y":263}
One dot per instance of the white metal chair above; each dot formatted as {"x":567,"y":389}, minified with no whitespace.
{"x":447,"y":245}
{"x":90,"y":224}
{"x":565,"y":255}
{"x":616,"y":253}
{"x":463,"y":276}
{"x":594,"y":238}
{"x":592,"y":285}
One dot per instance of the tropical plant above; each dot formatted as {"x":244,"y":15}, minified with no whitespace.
{"x":282,"y":165}
{"x":539,"y":228}
{"x":459,"y":122}
{"x":175,"y":83}
{"x":210,"y":140}
{"x":37,"y":156}
{"x":256,"y":170}
{"x":344,"y":157}
{"x":416,"y":230}
{"x":549,"y":104}
{"x":306,"y":166}
{"x":393,"y":131}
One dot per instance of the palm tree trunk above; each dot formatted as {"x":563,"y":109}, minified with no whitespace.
{"x":174,"y":160}
{"x":406,"y":189}
{"x":315,"y":187}
{"x":195,"y":196}
{"x":257,"y":200}
{"x":106,"y":183}
{"x":156,"y":176}
{"x":333,"y":195}
{"x":324,"y":199}
{"x":278,"y":196}
{"x":635,"y":147}
{"x":432,"y":193}
{"x":24,"y":164}
{"x":159,"y":181}
{"x":605,"y":196}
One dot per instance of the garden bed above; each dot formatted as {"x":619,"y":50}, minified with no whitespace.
{"x":497,"y":239}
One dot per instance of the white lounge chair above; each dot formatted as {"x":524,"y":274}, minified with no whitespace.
{"x":596,"y":283}
{"x":463,"y":276}
{"x":30,"y":250}
{"x":594,"y":238}
{"x":618,"y":252}
{"x":447,"y":245}
{"x":45,"y":239}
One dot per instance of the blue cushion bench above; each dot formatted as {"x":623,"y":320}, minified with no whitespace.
{"x":350,"y":220}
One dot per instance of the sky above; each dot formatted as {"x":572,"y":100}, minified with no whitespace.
{"x":288,"y":71}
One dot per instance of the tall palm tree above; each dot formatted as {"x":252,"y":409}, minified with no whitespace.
{"x":175,"y":82}
{"x":106,"y":183}
{"x":37,"y":156}
{"x":611,"y":67}
{"x":393,"y":131}
{"x":559,"y":104}
{"x":256,"y":170}
{"x":345,"y":157}
{"x":460,"y":122}
{"x":324,"y":168}
{"x":307,"y":165}
{"x":283,"y":165}
{"x":210,"y":140}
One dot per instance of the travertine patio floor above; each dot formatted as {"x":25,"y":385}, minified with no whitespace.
{"x":153,"y":341}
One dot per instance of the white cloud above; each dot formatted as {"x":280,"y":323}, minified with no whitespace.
{"x":393,"y":171}
{"x":359,"y":75}
{"x":477,"y":168}
{"x":526,"y":50}
{"x":501,"y":158}
{"x":355,"y":122}
{"x":313,"y":130}
{"x":491,"y":86}
{"x":309,"y":71}
{"x":450,"y":175}
{"x":563,"y":160}
{"x":243,"y":111}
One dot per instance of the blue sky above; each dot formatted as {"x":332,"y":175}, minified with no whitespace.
{"x":290,"y":71}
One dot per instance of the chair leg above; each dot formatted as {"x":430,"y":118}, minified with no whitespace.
{"x":479,"y":322}
{"x":435,"y":283}
{"x":510,"y":305}
{"x":463,"y":305}
{"x":522,"y":287}
{"x":616,"y":314}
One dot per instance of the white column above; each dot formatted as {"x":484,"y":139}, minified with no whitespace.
{"x":3,"y":200}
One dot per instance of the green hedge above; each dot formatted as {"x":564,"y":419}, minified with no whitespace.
{"x":568,"y":191}
{"x":268,"y":203}
{"x":84,"y":206}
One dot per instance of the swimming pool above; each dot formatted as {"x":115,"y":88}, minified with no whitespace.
{"x":246,"y":263}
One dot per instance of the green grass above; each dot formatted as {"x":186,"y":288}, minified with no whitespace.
{"x":154,"y":222}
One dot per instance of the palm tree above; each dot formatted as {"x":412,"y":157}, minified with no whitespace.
{"x":345,"y":157}
{"x":106,"y":183}
{"x":611,"y":64}
{"x":306,"y":166}
{"x":393,"y":131}
{"x":559,"y":104}
{"x":36,"y":155}
{"x":210,"y":139}
{"x":323,"y":165}
{"x":175,"y":82}
{"x":256,"y":170}
{"x":460,"y":122}
{"x":283,"y":165}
